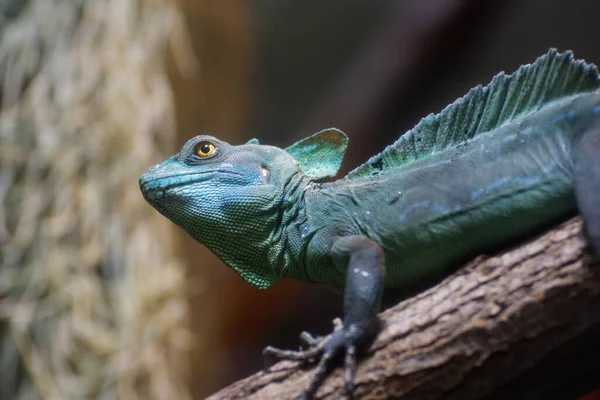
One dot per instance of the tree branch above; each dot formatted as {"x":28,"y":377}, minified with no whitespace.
{"x":523,"y":324}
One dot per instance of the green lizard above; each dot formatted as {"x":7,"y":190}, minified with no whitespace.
{"x":500,"y":163}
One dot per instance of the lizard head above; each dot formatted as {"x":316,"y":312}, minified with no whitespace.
{"x":231,"y":198}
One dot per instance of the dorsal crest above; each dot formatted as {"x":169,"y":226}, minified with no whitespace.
{"x":551,"y":77}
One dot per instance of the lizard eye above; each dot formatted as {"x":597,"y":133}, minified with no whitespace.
{"x":205,"y":149}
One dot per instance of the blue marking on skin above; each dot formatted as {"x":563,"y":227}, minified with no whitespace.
{"x":549,"y":167}
{"x":527,"y":131}
{"x":413,"y":207}
{"x":558,"y":118}
{"x":519,"y":180}
{"x":596,"y":110}
{"x":305,"y":230}
{"x":509,"y":138}
{"x":441,"y":209}
{"x":494,"y":185}
{"x":571,"y":115}
{"x":287,"y":201}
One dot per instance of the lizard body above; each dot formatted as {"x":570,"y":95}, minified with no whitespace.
{"x":499,"y":164}
{"x":429,"y":217}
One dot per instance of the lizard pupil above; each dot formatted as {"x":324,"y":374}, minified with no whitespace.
{"x":205,"y":149}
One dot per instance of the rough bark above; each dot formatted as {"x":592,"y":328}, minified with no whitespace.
{"x":521,"y":324}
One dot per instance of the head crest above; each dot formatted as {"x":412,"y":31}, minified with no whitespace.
{"x":320,"y":155}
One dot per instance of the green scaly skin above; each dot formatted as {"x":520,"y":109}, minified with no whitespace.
{"x":406,"y":217}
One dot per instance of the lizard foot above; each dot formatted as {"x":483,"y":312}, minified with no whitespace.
{"x":343,"y":338}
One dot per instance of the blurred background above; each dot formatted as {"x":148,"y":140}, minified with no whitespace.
{"x":100,"y":297}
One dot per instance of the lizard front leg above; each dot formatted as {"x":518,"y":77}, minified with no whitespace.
{"x":587,"y":182}
{"x":365,"y":273}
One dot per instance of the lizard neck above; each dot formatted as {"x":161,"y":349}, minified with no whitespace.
{"x":271,"y":234}
{"x":292,"y":235}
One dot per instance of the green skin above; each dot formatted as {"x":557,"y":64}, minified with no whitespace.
{"x":265,"y":213}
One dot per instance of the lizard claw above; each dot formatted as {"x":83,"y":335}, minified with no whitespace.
{"x":350,"y":369}
{"x":338,"y":324}
{"x":342,"y":339}
{"x":307,"y":340}
{"x":314,"y":347}
{"x":272,"y":355}
{"x":331,"y":348}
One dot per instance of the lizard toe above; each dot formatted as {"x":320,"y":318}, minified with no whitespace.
{"x":307,"y":340}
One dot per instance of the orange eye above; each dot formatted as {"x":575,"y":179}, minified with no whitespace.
{"x":205,"y":149}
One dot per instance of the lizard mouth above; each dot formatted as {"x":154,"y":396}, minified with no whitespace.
{"x":154,"y":185}
{"x":156,"y":181}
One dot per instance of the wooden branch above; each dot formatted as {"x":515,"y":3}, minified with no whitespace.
{"x":523,"y":324}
